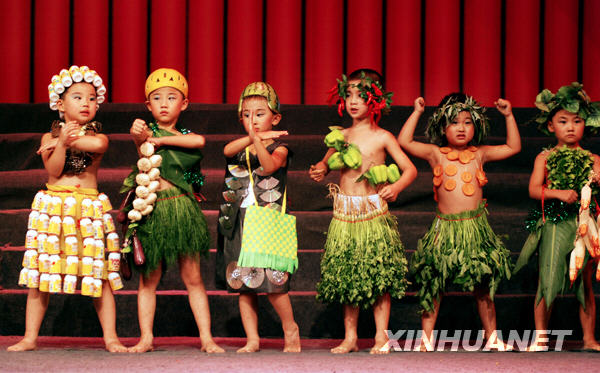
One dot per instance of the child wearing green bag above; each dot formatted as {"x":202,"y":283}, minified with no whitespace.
{"x":256,"y":174}
{"x":569,"y":116}
{"x":363,"y":264}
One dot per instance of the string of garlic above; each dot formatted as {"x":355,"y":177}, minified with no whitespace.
{"x":147,"y":181}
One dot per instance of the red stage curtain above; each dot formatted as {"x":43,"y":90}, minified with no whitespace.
{"x":442,"y":49}
{"x":244,"y":46}
{"x":403,"y":50}
{"x":205,"y":51}
{"x":591,"y":50}
{"x":15,"y":38}
{"x":560,"y":43}
{"x":284,"y":49}
{"x":90,"y":36}
{"x":481,"y":67}
{"x":167,"y":35}
{"x":129,"y":50}
{"x":522,"y":52}
{"x":51,"y":44}
{"x":363,"y":40}
{"x":323,"y":49}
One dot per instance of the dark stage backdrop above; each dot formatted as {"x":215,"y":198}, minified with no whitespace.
{"x":487,"y":48}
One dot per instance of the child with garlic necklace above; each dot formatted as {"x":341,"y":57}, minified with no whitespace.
{"x":169,"y":224}
{"x":460,"y":248}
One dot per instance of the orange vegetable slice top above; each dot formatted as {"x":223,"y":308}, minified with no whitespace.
{"x":437,"y":170}
{"x":466,"y":176}
{"x":465,"y":157}
{"x":452,"y":156}
{"x":437,"y":181}
{"x":468,"y":189}
{"x":445,"y":150}
{"x":450,"y":184}
{"x":451,"y":170}
{"x":472,"y":148}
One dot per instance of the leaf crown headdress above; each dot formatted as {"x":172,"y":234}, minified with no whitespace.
{"x":443,"y":116}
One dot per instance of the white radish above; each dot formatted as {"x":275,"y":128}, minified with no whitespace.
{"x":147,"y":149}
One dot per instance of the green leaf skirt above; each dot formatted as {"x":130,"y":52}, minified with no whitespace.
{"x":459,"y":249}
{"x":177,"y":227}
{"x":364,"y":257}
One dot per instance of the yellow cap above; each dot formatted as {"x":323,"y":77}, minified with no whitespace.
{"x":260,"y":89}
{"x":165,"y":77}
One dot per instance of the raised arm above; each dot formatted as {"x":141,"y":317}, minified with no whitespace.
{"x":92,"y":144}
{"x":537,"y":189}
{"x":189,"y":141}
{"x":406,"y":135}
{"x":409,"y":171}
{"x":513,"y":139}
{"x":236,"y":146}
{"x":54,"y":150}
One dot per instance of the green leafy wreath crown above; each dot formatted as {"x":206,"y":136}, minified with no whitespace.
{"x":443,"y":116}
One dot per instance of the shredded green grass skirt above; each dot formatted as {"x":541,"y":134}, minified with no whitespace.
{"x":364,"y":257}
{"x":176,"y":228}
{"x":459,"y":249}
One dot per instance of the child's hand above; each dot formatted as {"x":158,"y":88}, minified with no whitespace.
{"x":388,"y":193}
{"x":419,"y":104}
{"x":156,"y":141}
{"x":568,"y":196}
{"x":139,"y":131}
{"x":271,"y":134}
{"x":318,"y":171}
{"x":50,"y":145}
{"x":68,"y":133}
{"x":504,"y":107}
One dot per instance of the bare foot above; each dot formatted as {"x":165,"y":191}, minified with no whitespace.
{"x":591,"y":345}
{"x":144,"y":345}
{"x":291,"y":340}
{"x":211,"y":347}
{"x":251,"y":346}
{"x":114,"y":345}
{"x":347,"y":345}
{"x":23,"y":345}
{"x":381,"y":345}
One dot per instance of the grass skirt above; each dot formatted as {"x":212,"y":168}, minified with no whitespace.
{"x":459,"y":249}
{"x":364,"y":257}
{"x":176,"y":228}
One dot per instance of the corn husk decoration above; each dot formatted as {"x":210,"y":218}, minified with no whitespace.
{"x":587,"y":235}
{"x":147,"y":181}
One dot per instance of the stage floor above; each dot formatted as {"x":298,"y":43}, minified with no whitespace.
{"x":182,"y":354}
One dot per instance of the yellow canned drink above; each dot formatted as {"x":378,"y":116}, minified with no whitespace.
{"x":87,"y":264}
{"x":87,"y":286}
{"x":26,"y":259}
{"x":43,"y":223}
{"x":44,"y":263}
{"x":97,"y":288}
{"x":109,"y":224}
{"x":42,"y":242}
{"x":112,"y":242}
{"x":68,"y":226}
{"x":70,"y":206}
{"x":70,"y":284}
{"x":98,"y":268}
{"x":44,"y":282}
{"x":23,"y":277}
{"x":106,"y":206}
{"x":114,"y":262}
{"x":87,"y":209}
{"x":55,"y":264}
{"x":55,"y":206}
{"x":99,"y":252}
{"x":114,"y":279}
{"x":98,"y":226}
{"x":89,"y":247}
{"x":54,"y":225}
{"x":33,"y":259}
{"x":71,"y":245}
{"x":86,"y":227}
{"x":37,"y":201}
{"x":31,"y":241}
{"x":45,"y":203}
{"x":34,"y":217}
{"x":72,"y":265}
{"x":97,"y":205}
{"x":33,"y":279}
{"x":52,"y":245}
{"x":55,"y":284}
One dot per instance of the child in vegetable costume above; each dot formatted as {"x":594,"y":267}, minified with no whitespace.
{"x":460,"y":247}
{"x":263,"y":183}
{"x":175,"y":231}
{"x":363,"y":264}
{"x":62,"y":214}
{"x":558,"y":175}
